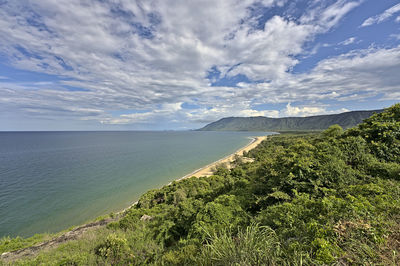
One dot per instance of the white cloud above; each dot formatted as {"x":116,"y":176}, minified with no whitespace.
{"x":381,"y":17}
{"x":327,"y":15}
{"x":359,"y":74}
{"x":267,"y":54}
{"x":218,"y":112}
{"x":348,"y":41}
{"x":334,"y":13}
{"x":200,"y":115}
{"x":250,"y":113}
{"x":302,"y":111}
{"x":395,"y":36}
{"x":166,"y":110}
{"x":308,"y":111}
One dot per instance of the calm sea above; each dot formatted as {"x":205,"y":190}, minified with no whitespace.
{"x":50,"y":181}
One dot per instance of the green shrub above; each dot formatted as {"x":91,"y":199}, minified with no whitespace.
{"x":332,"y":132}
{"x":114,"y":249}
{"x":223,"y":212}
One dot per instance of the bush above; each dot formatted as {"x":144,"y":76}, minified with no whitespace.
{"x":223,"y":212}
{"x":114,"y":249}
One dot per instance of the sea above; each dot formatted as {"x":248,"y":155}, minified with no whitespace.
{"x":50,"y":181}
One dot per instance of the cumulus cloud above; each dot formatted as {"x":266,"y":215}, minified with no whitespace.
{"x":302,"y":111}
{"x":271,"y":57}
{"x":218,"y":112}
{"x":381,"y":17}
{"x":308,"y":111}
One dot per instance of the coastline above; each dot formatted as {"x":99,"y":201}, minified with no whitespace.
{"x":79,"y":230}
{"x":207,"y":170}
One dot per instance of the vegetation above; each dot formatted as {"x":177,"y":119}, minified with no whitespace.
{"x":317,"y":199}
{"x":320,"y":122}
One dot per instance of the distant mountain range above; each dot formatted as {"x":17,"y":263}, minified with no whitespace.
{"x":261,"y":123}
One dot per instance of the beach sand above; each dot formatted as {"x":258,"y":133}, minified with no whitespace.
{"x":208,"y":169}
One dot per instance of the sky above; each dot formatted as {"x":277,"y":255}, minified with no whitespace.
{"x":178,"y":64}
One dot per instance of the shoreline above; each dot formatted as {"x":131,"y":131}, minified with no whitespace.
{"x":79,"y":230}
{"x":207,"y":169}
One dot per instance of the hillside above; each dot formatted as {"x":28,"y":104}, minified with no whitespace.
{"x":260,"y":123}
{"x":331,"y":198}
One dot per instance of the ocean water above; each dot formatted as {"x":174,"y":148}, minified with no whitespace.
{"x":50,"y":181}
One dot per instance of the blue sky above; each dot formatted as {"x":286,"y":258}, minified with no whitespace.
{"x":161,"y":64}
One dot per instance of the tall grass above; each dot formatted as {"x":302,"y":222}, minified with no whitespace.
{"x":254,"y":245}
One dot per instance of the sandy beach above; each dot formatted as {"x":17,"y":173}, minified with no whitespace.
{"x":208,"y":169}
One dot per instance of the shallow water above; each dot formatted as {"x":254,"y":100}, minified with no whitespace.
{"x":50,"y":181}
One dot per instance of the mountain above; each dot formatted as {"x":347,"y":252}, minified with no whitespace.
{"x":261,"y":123}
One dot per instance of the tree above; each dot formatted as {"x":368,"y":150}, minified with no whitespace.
{"x":333,"y":131}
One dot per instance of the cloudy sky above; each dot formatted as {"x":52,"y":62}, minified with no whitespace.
{"x":178,"y":64}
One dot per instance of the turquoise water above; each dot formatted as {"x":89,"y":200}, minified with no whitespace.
{"x":50,"y":181}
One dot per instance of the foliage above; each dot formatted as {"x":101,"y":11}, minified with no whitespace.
{"x":114,"y":249}
{"x":333,"y":131}
{"x":382,"y":133}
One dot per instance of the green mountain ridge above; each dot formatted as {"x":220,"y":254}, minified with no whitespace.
{"x":261,"y":123}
